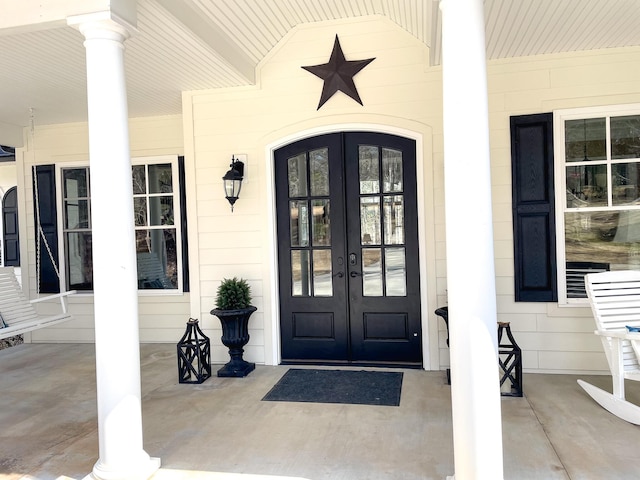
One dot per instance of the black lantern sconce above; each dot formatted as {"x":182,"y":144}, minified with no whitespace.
{"x":232,"y":181}
{"x":194,"y":355}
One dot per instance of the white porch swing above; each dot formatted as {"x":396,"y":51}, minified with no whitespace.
{"x":18,"y":314}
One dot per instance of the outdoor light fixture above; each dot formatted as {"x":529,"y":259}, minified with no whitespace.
{"x":233,"y":181}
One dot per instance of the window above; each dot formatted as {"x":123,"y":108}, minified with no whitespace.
{"x":597,"y":175}
{"x":76,"y":228}
{"x":157,"y":206}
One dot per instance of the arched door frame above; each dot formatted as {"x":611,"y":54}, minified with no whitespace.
{"x":272,"y":330}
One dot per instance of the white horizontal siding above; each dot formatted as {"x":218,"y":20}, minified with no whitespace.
{"x":161,"y":317}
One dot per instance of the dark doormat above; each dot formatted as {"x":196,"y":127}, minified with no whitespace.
{"x":338,"y":386}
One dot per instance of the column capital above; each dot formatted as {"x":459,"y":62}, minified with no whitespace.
{"x":105,"y":25}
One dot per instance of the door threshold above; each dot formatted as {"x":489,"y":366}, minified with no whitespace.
{"x":340,"y":363}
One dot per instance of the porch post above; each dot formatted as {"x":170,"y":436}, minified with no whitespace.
{"x":114,"y":254}
{"x":475,"y":389}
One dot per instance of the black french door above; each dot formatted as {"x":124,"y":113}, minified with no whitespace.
{"x":348,"y":250}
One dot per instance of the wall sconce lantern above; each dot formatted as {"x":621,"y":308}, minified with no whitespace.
{"x":233,"y":181}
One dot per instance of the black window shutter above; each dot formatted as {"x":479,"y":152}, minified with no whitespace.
{"x":183,"y":225}
{"x":533,"y":208}
{"x":45,"y":213}
{"x":10,"y":228}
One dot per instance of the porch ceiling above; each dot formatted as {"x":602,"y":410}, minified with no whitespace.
{"x":199,"y":44}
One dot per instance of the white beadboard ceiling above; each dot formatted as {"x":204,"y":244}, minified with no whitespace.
{"x":198,"y":44}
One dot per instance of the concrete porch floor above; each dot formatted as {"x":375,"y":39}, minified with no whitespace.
{"x":221,"y":428}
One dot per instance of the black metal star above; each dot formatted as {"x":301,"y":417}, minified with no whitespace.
{"x":338,"y":74}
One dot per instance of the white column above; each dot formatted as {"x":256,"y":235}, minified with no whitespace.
{"x":114,"y":257}
{"x":475,"y":389}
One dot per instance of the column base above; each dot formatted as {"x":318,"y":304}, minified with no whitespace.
{"x":141,"y":471}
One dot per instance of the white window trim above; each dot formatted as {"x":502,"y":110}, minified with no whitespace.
{"x":173,"y":160}
{"x":559,"y":117}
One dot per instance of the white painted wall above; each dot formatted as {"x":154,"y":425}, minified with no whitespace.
{"x":283,"y":108}
{"x":553,"y":338}
{"x":402,"y":95}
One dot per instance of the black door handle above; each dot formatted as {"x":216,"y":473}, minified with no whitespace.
{"x":339,"y":274}
{"x":355,"y":274}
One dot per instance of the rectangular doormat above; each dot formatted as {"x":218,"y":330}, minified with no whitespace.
{"x":338,"y":386}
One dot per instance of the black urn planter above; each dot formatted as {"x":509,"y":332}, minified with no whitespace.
{"x":235,"y":335}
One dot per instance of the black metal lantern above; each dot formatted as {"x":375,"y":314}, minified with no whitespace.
{"x":510,"y":360}
{"x":233,"y":181}
{"x":194,"y":355}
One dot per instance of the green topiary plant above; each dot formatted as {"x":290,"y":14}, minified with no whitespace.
{"x":233,"y":294}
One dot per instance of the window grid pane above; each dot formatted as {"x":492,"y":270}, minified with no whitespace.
{"x":156,"y":233}
{"x":157,"y":260}
{"x":76,"y":222}
{"x":601,"y":221}
{"x":156,"y":245}
{"x":625,"y":137}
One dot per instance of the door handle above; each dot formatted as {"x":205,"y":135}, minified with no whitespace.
{"x":339,"y":274}
{"x":355,"y":274}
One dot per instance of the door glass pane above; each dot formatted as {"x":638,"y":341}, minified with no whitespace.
{"x":321,"y":226}
{"x":372,"y":272}
{"x":586,"y":186}
{"x":368,"y":167}
{"x":391,"y":170}
{"x":395,"y":273}
{"x":625,"y":179}
{"x":139,"y":177}
{"x":299,"y":223}
{"x":161,"y":210}
{"x":370,"y":220}
{"x":625,"y":137}
{"x":394,"y":220}
{"x":585,"y":140}
{"x":160,"y":178}
{"x":322,"y":280}
{"x":319,"y":172}
{"x":297,"y":175}
{"x":300,"y":278}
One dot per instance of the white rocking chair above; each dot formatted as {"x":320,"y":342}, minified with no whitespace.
{"x":615,"y":303}
{"x":18,"y":313}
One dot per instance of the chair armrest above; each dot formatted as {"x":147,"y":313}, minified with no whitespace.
{"x":52,"y":296}
{"x":61,"y":296}
{"x":621,"y":334}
